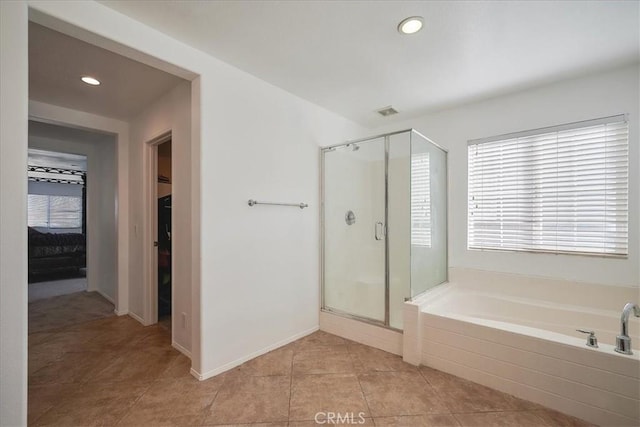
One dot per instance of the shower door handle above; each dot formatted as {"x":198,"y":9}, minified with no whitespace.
{"x":379,"y":230}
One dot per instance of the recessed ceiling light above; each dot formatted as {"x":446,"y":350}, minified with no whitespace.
{"x":411,"y":25}
{"x":90,"y":81}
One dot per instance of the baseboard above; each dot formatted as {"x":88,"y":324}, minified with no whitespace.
{"x":197,"y":375}
{"x":253,"y":355}
{"x":136,"y":317}
{"x":118,"y":313}
{"x":181,"y":349}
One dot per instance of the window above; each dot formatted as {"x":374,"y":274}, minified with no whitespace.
{"x":38,"y":210}
{"x":420,"y":200}
{"x":558,"y":190}
{"x":54,"y":211}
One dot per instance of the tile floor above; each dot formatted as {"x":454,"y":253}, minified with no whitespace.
{"x":113,"y":371}
{"x":67,"y":310}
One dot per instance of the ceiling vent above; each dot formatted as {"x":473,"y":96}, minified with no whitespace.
{"x":387,"y":111}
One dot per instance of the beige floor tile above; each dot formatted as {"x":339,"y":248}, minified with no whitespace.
{"x":113,"y":324}
{"x":320,"y":340}
{"x":40,"y":359}
{"x":42,"y":398}
{"x":246,"y":399}
{"x":38,"y":338}
{"x":137,"y":366}
{"x":322,"y":362}
{"x":94,"y":405}
{"x":435,"y":420}
{"x":500,"y":419}
{"x":347,"y":419}
{"x":112,"y":370}
{"x":281,"y":424}
{"x":71,"y":368}
{"x":151,"y":419}
{"x":172,"y":403}
{"x":118,"y":339}
{"x":400,"y":393}
{"x":438,"y":379}
{"x":72,"y":309}
{"x":150,"y":339}
{"x":255,"y":384}
{"x":367,"y":359}
{"x":64,"y":341}
{"x":460,"y":395}
{"x":276,"y":362}
{"x":557,"y":419}
{"x":184,"y":397}
{"x":179,"y":368}
{"x":337,"y":393}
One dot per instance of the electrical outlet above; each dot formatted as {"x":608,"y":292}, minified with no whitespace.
{"x":184,"y":320}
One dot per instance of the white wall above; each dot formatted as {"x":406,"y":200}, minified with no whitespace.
{"x":101,"y":197}
{"x":13,"y":213}
{"x":588,"y":97}
{"x":104,"y":188}
{"x":170,"y":113}
{"x":260,"y":265}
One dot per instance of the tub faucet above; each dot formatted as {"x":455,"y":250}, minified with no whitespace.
{"x":623,"y":342}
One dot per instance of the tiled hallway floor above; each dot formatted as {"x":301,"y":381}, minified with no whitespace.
{"x":67,"y":310}
{"x":114,"y":371}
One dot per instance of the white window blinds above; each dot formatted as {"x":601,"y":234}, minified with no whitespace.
{"x":54,"y":211}
{"x":38,"y":210}
{"x":65,"y":212}
{"x":420,"y":200}
{"x":559,"y":190}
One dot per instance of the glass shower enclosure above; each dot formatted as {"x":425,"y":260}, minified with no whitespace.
{"x":384,"y":225}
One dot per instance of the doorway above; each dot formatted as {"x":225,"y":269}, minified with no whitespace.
{"x":71,"y":239}
{"x":159,"y":273}
{"x":163,"y":238}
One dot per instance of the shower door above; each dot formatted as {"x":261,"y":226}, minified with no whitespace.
{"x":355,"y":229}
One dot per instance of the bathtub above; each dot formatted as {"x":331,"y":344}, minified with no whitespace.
{"x":518,"y":335}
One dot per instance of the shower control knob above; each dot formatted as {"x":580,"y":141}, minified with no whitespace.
{"x":350,"y":218}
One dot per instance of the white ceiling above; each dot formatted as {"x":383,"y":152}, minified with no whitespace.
{"x":55,"y":159}
{"x":348,"y":56}
{"x":62,"y":133}
{"x":57,"y":61}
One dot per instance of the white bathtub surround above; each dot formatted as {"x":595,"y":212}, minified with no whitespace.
{"x":364,"y":333}
{"x":517,"y":334}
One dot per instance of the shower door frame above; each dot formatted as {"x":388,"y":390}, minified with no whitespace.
{"x":387,"y":282}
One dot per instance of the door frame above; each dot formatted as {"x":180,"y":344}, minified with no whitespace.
{"x":150,"y":229}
